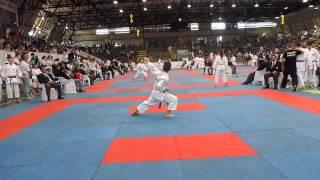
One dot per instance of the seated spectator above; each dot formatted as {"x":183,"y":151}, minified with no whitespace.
{"x":49,"y":82}
{"x":273,"y":69}
{"x":83,"y":72}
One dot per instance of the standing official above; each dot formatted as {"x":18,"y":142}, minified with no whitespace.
{"x":290,"y":66}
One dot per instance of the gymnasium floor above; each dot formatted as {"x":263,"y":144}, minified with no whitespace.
{"x":219,"y":133}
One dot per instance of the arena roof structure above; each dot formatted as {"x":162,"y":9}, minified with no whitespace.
{"x":94,"y":14}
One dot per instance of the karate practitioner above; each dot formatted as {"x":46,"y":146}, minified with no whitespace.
{"x":141,"y":71}
{"x":301,"y":66}
{"x":159,"y":93}
{"x":11,"y":74}
{"x":220,"y":65}
{"x":312,"y":60}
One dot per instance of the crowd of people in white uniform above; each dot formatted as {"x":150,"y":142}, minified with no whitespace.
{"x":219,"y":64}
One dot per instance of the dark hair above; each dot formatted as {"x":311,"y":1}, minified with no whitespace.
{"x":167,"y":66}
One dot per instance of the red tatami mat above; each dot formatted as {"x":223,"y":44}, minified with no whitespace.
{"x":126,"y":150}
{"x":18,"y":122}
{"x":299,"y":102}
{"x":181,"y":107}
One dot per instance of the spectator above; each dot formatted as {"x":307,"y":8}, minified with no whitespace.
{"x":49,"y":82}
{"x":273,"y":69}
{"x":26,"y":74}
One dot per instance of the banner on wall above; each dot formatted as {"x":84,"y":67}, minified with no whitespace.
{"x":8,"y":5}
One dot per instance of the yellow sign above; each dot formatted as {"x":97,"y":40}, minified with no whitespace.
{"x":282,"y":19}
{"x":131,"y":18}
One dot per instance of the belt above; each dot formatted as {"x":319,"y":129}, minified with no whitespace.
{"x":12,"y":76}
{"x":300,"y":60}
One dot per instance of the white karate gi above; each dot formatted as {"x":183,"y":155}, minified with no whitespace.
{"x":312,"y":60}
{"x":35,"y":82}
{"x":159,"y":93}
{"x":220,"y":65}
{"x":141,"y":71}
{"x":11,"y":73}
{"x":301,"y":67}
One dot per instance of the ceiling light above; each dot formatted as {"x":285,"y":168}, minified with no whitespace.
{"x":304,"y":1}
{"x":316,"y":8}
{"x":218,"y":26}
{"x":286,"y":7}
{"x":211,"y":5}
{"x":144,"y":1}
{"x":145,"y":9}
{"x":220,"y":18}
{"x":169,"y":6}
{"x":277,"y":17}
{"x":311,"y":6}
{"x":115,"y":2}
{"x":180,"y":19}
{"x":256,"y":5}
{"x":120,"y":10}
{"x":234,"y":5}
{"x":189,"y":6}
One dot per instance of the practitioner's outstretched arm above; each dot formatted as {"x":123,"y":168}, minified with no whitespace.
{"x":153,"y":69}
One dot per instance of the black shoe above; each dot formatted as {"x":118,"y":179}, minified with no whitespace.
{"x":294,"y":89}
{"x":244,"y":83}
{"x":81,"y":91}
{"x":60,"y":98}
{"x":275,"y":88}
{"x":267,"y":87}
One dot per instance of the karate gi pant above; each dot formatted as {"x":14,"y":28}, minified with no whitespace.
{"x":220,"y":74}
{"x":171,"y":99}
{"x":139,"y":74}
{"x":13,"y":90}
{"x":301,"y":73}
{"x":310,"y":77}
{"x":0,"y":92}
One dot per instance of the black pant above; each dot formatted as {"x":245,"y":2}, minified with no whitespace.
{"x":293,"y":75}
{"x":250,"y":78}
{"x":275,"y":77}
{"x":55,"y":86}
